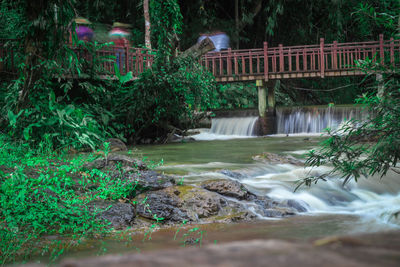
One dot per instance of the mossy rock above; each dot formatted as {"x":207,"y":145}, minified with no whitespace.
{"x":193,"y":204}
{"x":229,"y":188}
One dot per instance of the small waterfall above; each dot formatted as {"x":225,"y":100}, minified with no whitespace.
{"x":314,"y":119}
{"x":239,"y":126}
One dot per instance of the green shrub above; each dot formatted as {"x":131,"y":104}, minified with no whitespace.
{"x":44,"y":195}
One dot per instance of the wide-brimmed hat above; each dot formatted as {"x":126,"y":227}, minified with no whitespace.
{"x":82,"y":21}
{"x":121,"y":25}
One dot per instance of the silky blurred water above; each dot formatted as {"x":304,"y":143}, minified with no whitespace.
{"x":332,"y":209}
{"x":373,"y":200}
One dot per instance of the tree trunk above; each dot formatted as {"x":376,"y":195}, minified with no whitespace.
{"x":199,"y":49}
{"x":147,"y":24}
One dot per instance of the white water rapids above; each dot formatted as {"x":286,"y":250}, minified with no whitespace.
{"x":375,"y":200}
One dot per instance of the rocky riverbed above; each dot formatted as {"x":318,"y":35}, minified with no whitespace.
{"x":159,"y":198}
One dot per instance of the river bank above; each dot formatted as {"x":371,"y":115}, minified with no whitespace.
{"x":378,"y":249}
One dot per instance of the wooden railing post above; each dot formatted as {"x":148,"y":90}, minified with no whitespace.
{"x":250,"y":63}
{"x":221,"y":69}
{"x":322,"y":57}
{"x":392,"y":51}
{"x":334,"y":59}
{"x":214,"y":69}
{"x":265,"y":61}
{"x":243,"y":65}
{"x":381,"y":51}
{"x":281,"y":62}
{"x":236,"y":63}
{"x":228,"y":62}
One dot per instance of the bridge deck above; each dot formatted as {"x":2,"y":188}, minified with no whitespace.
{"x":323,"y":60}
{"x":267,"y":63}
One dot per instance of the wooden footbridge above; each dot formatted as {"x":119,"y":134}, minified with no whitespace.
{"x":263,"y":65}
{"x":284,"y":62}
{"x":266,"y":63}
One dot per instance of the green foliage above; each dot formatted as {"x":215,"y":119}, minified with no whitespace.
{"x":38,"y":104}
{"x":49,"y":195}
{"x":11,"y":20}
{"x":67,"y":125}
{"x":378,"y":17}
{"x":363,"y":148}
{"x":165,"y":96}
{"x":244,"y":95}
{"x":237,"y":95}
{"x":85,"y":111}
{"x":166,"y":23}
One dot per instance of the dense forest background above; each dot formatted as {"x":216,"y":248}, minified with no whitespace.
{"x":276,"y":21}
{"x":148,"y":107}
{"x":249,"y":23}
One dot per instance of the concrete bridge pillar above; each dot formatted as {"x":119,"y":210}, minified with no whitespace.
{"x":266,"y":106}
{"x":381,"y":85}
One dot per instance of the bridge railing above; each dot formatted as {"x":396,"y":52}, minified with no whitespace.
{"x":298,"y":61}
{"x":320,"y":60}
{"x":127,"y":58}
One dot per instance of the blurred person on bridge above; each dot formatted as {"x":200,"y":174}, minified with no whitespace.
{"x":83,"y":31}
{"x":119,"y":36}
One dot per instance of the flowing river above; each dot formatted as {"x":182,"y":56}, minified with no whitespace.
{"x":367,"y":206}
{"x":370,"y":203}
{"x":363,"y":207}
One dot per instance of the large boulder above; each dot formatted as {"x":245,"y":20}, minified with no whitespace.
{"x":227,"y":188}
{"x":119,"y":215}
{"x":161,"y":205}
{"x":115,"y":145}
{"x":268,"y":207}
{"x":264,"y":205}
{"x":200,"y":203}
{"x":150,"y":180}
{"x":193,"y":204}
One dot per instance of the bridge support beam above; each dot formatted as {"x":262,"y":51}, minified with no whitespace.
{"x":266,"y":109}
{"x":262,"y":97}
{"x":381,"y":85}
